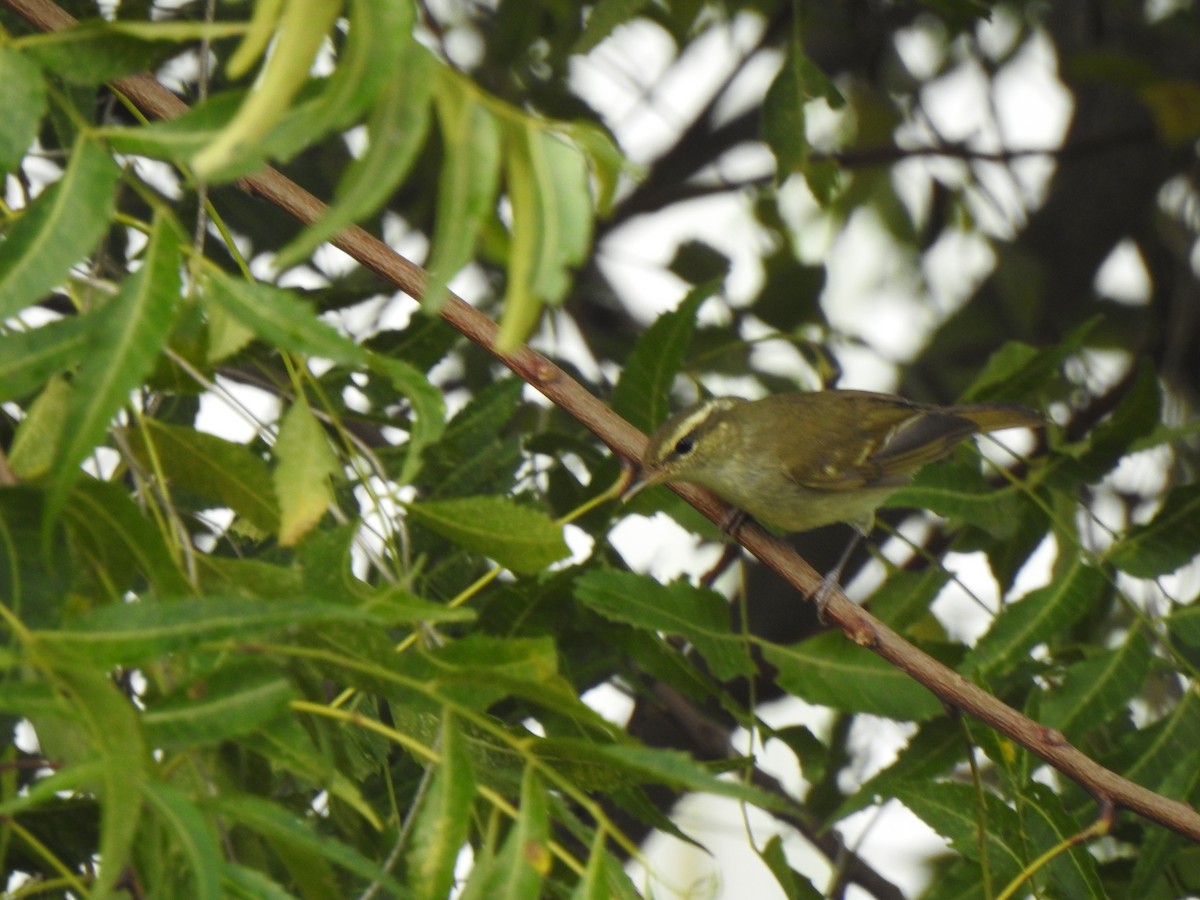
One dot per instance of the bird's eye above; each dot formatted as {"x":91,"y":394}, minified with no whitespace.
{"x":685,"y":445}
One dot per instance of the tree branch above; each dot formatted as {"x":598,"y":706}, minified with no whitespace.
{"x":953,"y":689}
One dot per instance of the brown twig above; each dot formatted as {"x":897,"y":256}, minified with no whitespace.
{"x":954,"y":690}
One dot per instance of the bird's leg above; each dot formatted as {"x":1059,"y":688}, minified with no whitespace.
{"x":825,"y":589}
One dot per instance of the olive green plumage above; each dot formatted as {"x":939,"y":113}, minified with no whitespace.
{"x":802,"y":460}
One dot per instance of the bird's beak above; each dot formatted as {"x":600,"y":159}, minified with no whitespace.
{"x":639,"y":479}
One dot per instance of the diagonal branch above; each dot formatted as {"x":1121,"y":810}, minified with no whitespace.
{"x":953,"y":689}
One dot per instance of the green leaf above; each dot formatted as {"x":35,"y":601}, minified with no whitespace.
{"x":957,"y":489}
{"x":427,"y":404}
{"x":35,"y":444}
{"x":795,"y":886}
{"x":229,"y":702}
{"x":933,"y":751}
{"x":89,"y":53}
{"x":1166,"y":542}
{"x":517,"y":537}
{"x":301,"y":29}
{"x":22,"y":105}
{"x":442,"y":822}
{"x":1019,"y":370}
{"x":108,"y":722}
{"x":194,"y":836}
{"x":654,"y":766}
{"x":299,"y":836}
{"x":547,"y":180}
{"x":1149,"y":756}
{"x":302,"y":477}
{"x":698,"y":614}
{"x":1035,"y":618}
{"x":1096,"y":689}
{"x":105,"y":522}
{"x":127,"y":633}
{"x":784,"y":118}
{"x":468,"y":183}
{"x":209,"y":466}
{"x":58,"y":229}
{"x":29,"y":358}
{"x":130,"y":331}
{"x":831,"y":670}
{"x":525,"y":860}
{"x":1048,"y":824}
{"x":643,"y":395}
{"x":952,"y":810}
{"x":905,"y":598}
{"x":280,"y":318}
{"x":396,"y":130}
{"x":35,"y":585}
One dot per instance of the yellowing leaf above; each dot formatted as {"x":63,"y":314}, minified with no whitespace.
{"x":306,"y":463}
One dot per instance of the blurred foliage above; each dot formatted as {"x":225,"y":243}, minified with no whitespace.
{"x":318,"y":654}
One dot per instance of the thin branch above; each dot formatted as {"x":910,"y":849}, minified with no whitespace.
{"x":953,"y":689}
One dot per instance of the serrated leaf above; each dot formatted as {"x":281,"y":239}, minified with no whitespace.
{"x":58,"y":229}
{"x":1036,"y":618}
{"x":831,"y":670}
{"x":1166,"y":542}
{"x":467,"y":185}
{"x":89,"y":53}
{"x":956,"y":489}
{"x":427,"y":404}
{"x":1048,"y":824}
{"x":396,"y":131}
{"x":209,"y":466}
{"x":441,"y":826}
{"x":547,"y":181}
{"x":1094,"y":690}
{"x":28,"y":358}
{"x":643,"y":395}
{"x":697,"y":614}
{"x":193,"y":834}
{"x":952,"y":810}
{"x":280,"y":318}
{"x":302,"y":475}
{"x":123,"y":347}
{"x":655,"y":766}
{"x":127,"y":633}
{"x":279,"y":825}
{"x":1020,"y":370}
{"x":932,"y":751}
{"x":223,"y":705}
{"x":1149,"y":756}
{"x":105,"y":522}
{"x":22,"y":105}
{"x":517,"y":537}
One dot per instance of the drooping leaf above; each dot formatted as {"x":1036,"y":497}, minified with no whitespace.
{"x":1096,"y":689}
{"x":193,"y":834}
{"x":302,"y":476}
{"x":300,"y":31}
{"x":468,"y":183}
{"x":440,"y":828}
{"x":22,"y":105}
{"x":548,"y":188}
{"x":396,"y":130}
{"x":129,"y":334}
